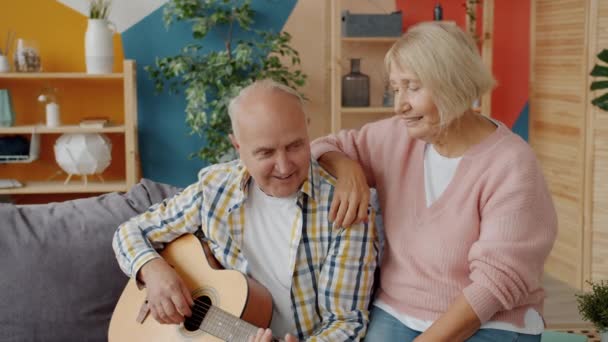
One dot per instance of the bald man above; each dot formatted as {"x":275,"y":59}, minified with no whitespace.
{"x":277,"y":230}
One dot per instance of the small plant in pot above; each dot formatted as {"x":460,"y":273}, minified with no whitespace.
{"x":593,"y":306}
{"x":99,"y":9}
{"x":98,"y":41}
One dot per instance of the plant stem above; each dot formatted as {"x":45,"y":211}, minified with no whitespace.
{"x":229,"y":40}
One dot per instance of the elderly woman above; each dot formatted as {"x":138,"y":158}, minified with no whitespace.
{"x":468,"y":218}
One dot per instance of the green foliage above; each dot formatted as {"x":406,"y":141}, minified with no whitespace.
{"x":600,"y":71}
{"x":211,"y":79}
{"x":593,"y":305}
{"x":99,"y":9}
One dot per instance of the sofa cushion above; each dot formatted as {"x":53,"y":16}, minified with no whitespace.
{"x":59,"y":279}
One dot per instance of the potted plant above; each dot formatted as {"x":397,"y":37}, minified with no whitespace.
{"x":211,"y":79}
{"x":600,"y":71}
{"x":99,"y":46}
{"x":593,"y":307}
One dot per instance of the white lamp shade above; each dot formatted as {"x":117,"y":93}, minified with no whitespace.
{"x":83,"y":154}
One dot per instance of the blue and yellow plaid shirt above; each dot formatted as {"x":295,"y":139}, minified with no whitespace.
{"x":333,"y":268}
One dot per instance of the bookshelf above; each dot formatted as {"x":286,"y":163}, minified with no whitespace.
{"x":42,"y":175}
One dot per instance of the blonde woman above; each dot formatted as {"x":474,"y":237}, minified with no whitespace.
{"x":468,"y":218}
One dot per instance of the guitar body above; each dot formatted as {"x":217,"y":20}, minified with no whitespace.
{"x":228,"y":290}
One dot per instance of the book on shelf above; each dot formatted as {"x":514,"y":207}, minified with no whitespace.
{"x":94,"y":123}
{"x":9,"y":183}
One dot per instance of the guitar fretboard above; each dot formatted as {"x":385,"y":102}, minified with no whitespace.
{"x":228,"y":327}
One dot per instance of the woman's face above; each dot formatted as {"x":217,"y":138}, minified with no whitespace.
{"x":414,"y":105}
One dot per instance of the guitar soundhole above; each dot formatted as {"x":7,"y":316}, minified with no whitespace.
{"x":199,"y":311}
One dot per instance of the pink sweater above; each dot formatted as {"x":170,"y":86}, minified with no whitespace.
{"x":486,"y":236}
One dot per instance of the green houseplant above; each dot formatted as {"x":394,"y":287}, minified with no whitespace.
{"x":210,"y":79}
{"x":593,"y":306}
{"x":99,"y":9}
{"x":600,"y":71}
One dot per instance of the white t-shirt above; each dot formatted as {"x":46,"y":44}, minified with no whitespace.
{"x":438,"y":173}
{"x":267,"y":236}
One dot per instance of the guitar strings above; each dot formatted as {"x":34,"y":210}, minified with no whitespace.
{"x":197,"y":313}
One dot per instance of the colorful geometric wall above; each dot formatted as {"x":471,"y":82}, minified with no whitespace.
{"x":164,"y":139}
{"x":58,"y":26}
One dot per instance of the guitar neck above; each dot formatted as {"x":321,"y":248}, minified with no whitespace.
{"x":228,"y":327}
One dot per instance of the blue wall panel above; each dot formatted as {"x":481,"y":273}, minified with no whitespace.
{"x":521,"y":124}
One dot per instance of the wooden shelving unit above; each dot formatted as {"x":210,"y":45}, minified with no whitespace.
{"x":39,"y":129}
{"x":372,"y":50}
{"x":379,"y":40}
{"x":125,"y":127}
{"x":338,"y":45}
{"x":60,"y":75}
{"x":58,"y":187}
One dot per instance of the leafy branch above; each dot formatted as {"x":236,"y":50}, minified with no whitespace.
{"x":600,"y":71}
{"x":209,"y":80}
{"x":593,"y":305}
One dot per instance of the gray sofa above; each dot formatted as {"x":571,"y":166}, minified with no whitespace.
{"x":59,"y":280}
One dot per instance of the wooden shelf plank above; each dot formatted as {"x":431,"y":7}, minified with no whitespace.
{"x":370,"y":39}
{"x":74,"y":186}
{"x":58,"y":75}
{"x":41,"y":129}
{"x":366,"y":110}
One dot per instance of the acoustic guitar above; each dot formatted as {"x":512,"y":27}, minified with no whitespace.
{"x":229,"y":306}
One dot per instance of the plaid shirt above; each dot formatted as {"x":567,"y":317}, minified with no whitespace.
{"x":333,"y":268}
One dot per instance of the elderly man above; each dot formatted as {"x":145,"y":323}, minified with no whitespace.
{"x":267,"y":216}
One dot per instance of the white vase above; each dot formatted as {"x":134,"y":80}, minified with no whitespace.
{"x":604,"y":336}
{"x":4,"y":65}
{"x":99,"y":47}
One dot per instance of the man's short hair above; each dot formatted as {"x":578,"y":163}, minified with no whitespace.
{"x":264,"y":84}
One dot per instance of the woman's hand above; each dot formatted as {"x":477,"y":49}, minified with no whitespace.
{"x":351,"y":195}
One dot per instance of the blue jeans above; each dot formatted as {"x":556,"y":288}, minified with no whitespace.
{"x":384,"y":327}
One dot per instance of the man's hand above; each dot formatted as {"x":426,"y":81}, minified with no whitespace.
{"x":168,"y":297}
{"x":266,"y":336}
{"x":351,"y":196}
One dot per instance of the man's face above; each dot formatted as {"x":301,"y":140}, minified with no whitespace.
{"x":272,"y":141}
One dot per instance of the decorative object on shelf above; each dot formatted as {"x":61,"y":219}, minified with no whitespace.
{"x":388,"y":98}
{"x":49,"y":98}
{"x":83,"y":154}
{"x":600,"y":71}
{"x":27,"y":57}
{"x":7,"y":114}
{"x":99,"y":46}
{"x":438,"y":12}
{"x":4,"y":64}
{"x":593,"y":306}
{"x":6,"y":183}
{"x":211,"y":78}
{"x":372,"y":25}
{"x":355,"y":86}
{"x":17,"y":149}
{"x":93,"y":123}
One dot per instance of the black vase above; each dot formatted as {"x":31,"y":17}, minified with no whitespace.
{"x":355,"y":86}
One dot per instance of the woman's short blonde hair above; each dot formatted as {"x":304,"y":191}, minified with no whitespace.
{"x":445,"y":60}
